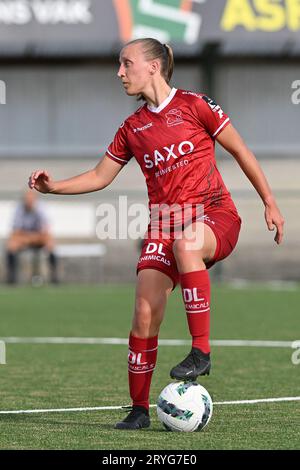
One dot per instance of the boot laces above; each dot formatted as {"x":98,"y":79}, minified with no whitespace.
{"x":189,"y":361}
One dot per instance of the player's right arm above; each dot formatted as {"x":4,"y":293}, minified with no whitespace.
{"x":93,"y":180}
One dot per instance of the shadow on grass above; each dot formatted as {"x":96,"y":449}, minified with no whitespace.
{"x":42,"y":421}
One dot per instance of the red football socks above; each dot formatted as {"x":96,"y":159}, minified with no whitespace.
{"x":141,"y":364}
{"x":196,"y":297}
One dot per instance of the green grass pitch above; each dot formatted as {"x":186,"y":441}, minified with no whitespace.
{"x":62,"y":376}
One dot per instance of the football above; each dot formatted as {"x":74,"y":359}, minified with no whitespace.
{"x":184,"y":406}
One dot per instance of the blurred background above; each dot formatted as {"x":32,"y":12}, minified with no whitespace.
{"x":61,"y":103}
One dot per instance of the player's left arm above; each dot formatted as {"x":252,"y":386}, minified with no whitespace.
{"x":230,"y":139}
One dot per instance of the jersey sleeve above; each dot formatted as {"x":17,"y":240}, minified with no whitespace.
{"x":211,"y":116}
{"x":119,"y":150}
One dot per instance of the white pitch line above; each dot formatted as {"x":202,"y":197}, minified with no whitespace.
{"x":103,"y":408}
{"x":162,"y":342}
{"x":62,"y":410}
{"x":259,"y":400}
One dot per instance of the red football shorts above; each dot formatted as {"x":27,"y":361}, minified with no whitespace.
{"x":158,"y":253}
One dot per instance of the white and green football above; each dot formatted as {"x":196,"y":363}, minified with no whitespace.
{"x":184,"y":406}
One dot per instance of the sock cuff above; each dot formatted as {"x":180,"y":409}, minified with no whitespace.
{"x":143,"y":344}
{"x":195,"y":276}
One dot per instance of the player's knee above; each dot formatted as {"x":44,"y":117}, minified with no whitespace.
{"x":143,"y":309}
{"x":145,"y":317}
{"x":182,"y":248}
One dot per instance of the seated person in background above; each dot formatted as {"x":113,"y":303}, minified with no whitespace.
{"x":30,"y":230}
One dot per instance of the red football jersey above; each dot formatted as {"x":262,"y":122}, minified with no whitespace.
{"x":174,"y":146}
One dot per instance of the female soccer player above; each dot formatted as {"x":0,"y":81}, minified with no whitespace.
{"x":172,"y":137}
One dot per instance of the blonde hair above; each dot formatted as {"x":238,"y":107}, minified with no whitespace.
{"x":154,"y":49}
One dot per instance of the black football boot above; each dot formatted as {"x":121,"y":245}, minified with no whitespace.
{"x":138,"y":418}
{"x":196,"y":363}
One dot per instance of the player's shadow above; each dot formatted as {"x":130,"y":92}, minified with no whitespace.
{"x":42,"y":421}
{"x":48,"y":421}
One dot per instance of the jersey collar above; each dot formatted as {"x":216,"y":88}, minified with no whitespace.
{"x":165,"y":103}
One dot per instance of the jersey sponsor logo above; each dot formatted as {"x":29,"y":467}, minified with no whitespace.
{"x":174,"y":117}
{"x":194,"y":303}
{"x":135,"y":363}
{"x":141,"y":129}
{"x":169,"y":169}
{"x":160,"y":259}
{"x":166,"y":153}
{"x":152,"y":247}
{"x":151,"y":255}
{"x":135,"y":358}
{"x":213,"y":105}
{"x":196,"y":308}
{"x":191,"y":295}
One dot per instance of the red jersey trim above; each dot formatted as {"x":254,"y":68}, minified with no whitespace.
{"x":119,"y":160}
{"x":223,"y":125}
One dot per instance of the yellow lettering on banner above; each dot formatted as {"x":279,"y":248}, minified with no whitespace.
{"x":272,"y":15}
{"x":293,"y":14}
{"x":238,"y":13}
{"x":261,"y":15}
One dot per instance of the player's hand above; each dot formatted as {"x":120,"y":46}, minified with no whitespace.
{"x":41,"y":181}
{"x":274,"y":219}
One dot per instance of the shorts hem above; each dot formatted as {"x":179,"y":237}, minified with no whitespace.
{"x":213,"y":260}
{"x":162,"y":271}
